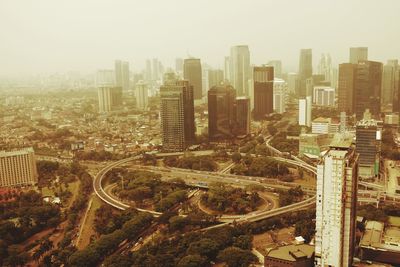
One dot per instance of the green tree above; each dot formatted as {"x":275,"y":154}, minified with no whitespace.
{"x":205,"y":247}
{"x":192,"y":261}
{"x":177,"y":223}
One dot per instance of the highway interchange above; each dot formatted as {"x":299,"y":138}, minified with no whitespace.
{"x":206,"y":177}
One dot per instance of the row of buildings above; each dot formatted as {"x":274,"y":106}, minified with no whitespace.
{"x":228,"y":115}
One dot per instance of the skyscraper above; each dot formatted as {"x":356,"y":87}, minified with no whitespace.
{"x":263,"y":91}
{"x":240,"y":69}
{"x":280,"y":95}
{"x":277,"y":64}
{"x":110,"y":98}
{"x":367,"y":88}
{"x":141,"y":92}
{"x":242,"y":116}
{"x":357,"y":54}
{"x":325,"y":67}
{"x":368,"y":147}
{"x":122,"y":74}
{"x":390,"y":82}
{"x":192,"y":73}
{"x":221,"y":112}
{"x":347,"y":73}
{"x":18,"y":168}
{"x":336,"y":204}
{"x":177,"y":113}
{"x":305,"y":69}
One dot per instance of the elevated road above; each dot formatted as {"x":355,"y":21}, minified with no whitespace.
{"x":228,"y":178}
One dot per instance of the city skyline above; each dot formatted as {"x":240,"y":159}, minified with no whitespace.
{"x":67,"y":43}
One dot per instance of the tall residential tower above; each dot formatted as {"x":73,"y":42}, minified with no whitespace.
{"x":336,"y":204}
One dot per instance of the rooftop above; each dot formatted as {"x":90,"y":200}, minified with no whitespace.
{"x":17,"y":152}
{"x":376,"y":236}
{"x":291,"y":252}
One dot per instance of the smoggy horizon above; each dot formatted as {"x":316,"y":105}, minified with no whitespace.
{"x":58,"y":36}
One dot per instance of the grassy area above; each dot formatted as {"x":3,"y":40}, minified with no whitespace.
{"x":72,"y":187}
{"x":88,"y":230}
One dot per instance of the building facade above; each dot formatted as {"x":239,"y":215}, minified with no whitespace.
{"x":18,"y":168}
{"x":336,"y":204}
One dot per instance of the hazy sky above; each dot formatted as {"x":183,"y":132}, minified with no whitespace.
{"x":55,"y":36}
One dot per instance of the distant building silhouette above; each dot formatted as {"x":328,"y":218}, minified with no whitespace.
{"x":357,"y":54}
{"x":277,"y":64}
{"x":141,"y":93}
{"x":122,"y":74}
{"x":346,"y":98}
{"x":305,"y":69}
{"x":390,"y":84}
{"x":367,"y":88}
{"x":192,"y":73}
{"x":240,"y":69}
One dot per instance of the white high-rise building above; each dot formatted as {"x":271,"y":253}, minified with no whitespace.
{"x":141,"y":92}
{"x":336,"y":204}
{"x":240,"y":69}
{"x":324,"y":96}
{"x":305,"y":106}
{"x":280,"y":95}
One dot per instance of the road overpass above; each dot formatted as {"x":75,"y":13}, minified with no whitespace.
{"x":98,"y":188}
